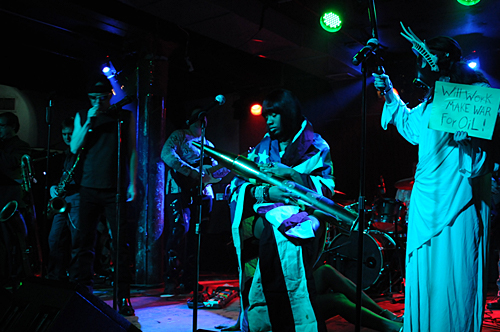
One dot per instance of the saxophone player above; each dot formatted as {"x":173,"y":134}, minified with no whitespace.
{"x":12,"y":150}
{"x":64,"y":228}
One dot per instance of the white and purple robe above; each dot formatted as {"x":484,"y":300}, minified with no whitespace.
{"x":276,"y":283}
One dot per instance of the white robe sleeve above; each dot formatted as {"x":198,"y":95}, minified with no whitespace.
{"x":473,"y":159}
{"x":406,"y":120}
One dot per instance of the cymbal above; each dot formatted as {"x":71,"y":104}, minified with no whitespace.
{"x":337,"y":192}
{"x":45,"y":150}
{"x":405,"y":184}
{"x":347,"y":202}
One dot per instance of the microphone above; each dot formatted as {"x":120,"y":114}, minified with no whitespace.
{"x":380,"y":71}
{"x":218,"y":101}
{"x":48,"y":109}
{"x":125,"y":101}
{"x":365,"y":52}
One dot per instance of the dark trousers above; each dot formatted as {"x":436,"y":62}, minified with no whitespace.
{"x":62,"y":239}
{"x":179,"y":255}
{"x":93,"y":203}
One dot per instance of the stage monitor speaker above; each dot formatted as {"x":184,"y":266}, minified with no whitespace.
{"x":41,"y":305}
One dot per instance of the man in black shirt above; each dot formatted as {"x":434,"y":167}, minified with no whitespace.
{"x":12,"y":148}
{"x":63,"y":232}
{"x":96,"y":131}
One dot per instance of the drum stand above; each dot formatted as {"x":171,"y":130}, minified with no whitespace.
{"x":400,"y":263}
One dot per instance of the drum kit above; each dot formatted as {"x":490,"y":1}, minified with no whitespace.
{"x":384,"y":246}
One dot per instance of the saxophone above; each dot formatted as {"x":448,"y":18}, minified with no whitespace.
{"x":57,"y":204}
{"x":27,"y":173}
{"x":10,"y":214}
{"x":33,"y":248}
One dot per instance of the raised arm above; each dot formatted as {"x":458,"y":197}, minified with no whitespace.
{"x":383,"y":83}
{"x":79,"y":133}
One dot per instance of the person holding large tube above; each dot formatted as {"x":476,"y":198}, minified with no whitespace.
{"x":276,"y":239}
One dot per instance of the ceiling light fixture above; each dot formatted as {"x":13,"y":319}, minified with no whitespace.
{"x":330,"y":21}
{"x":468,"y":2}
{"x":108,"y":69}
{"x":473,"y":60}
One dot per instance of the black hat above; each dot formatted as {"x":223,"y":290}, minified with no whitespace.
{"x":195,"y":113}
{"x":99,"y":85}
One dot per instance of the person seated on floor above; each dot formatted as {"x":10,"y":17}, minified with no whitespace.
{"x":336,"y":295}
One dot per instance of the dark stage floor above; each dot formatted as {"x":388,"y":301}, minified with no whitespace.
{"x":154,"y":314}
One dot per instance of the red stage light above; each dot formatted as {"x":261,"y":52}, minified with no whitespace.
{"x":256,"y":109}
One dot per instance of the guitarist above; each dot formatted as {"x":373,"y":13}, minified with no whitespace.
{"x":182,"y":179}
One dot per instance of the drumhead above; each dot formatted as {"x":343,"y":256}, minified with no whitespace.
{"x":342,"y":254}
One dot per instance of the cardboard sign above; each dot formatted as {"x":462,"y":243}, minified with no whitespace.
{"x":460,"y":107}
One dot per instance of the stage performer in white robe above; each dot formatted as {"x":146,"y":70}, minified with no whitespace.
{"x":448,"y":224}
{"x":277,"y":242}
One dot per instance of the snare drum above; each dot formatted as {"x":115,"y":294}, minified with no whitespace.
{"x":387,"y":213}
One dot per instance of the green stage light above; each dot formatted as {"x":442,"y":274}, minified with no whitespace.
{"x":330,"y":22}
{"x":468,"y":2}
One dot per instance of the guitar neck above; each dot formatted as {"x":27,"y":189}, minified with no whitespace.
{"x":212,"y":169}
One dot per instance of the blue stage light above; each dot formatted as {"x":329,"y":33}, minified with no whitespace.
{"x":473,"y":61}
{"x":108,"y":69}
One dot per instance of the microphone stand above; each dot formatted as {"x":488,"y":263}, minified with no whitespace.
{"x":361,"y":205}
{"x":48,"y":120}
{"x":199,"y":204}
{"x":118,"y":212}
{"x":219,"y":100}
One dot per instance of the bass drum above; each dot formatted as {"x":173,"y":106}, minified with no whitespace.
{"x":378,"y":253}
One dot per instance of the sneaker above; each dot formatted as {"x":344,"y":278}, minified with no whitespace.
{"x":125,"y":307}
{"x":170,"y":290}
{"x":494,"y":305}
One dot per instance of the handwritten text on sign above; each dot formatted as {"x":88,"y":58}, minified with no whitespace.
{"x":463,"y":107}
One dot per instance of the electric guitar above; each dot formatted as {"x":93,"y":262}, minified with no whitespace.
{"x":189,"y":184}
{"x":208,"y":171}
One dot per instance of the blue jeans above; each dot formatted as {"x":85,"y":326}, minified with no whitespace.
{"x":62,"y":239}
{"x":179,"y":237}
{"x":93,"y":203}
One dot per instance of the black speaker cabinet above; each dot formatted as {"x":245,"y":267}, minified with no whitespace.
{"x":48,"y":306}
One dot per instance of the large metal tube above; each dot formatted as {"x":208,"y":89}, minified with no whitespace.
{"x":248,"y":169}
